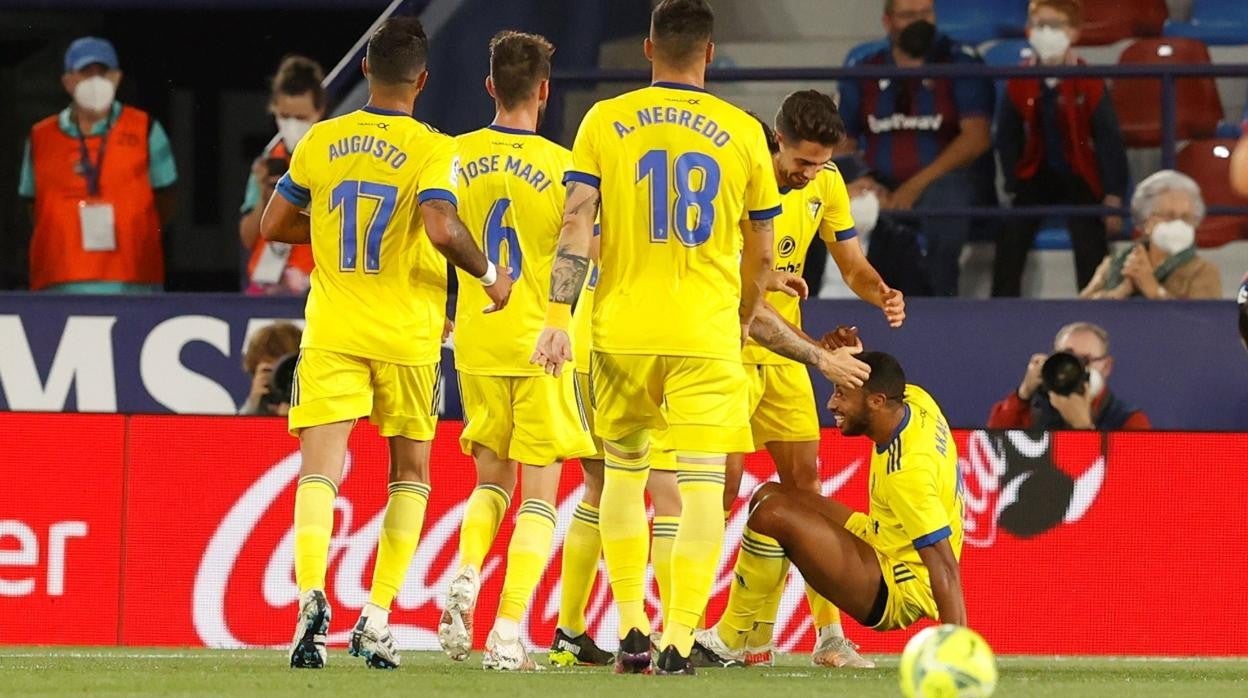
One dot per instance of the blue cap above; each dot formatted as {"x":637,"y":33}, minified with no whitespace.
{"x":90,"y":49}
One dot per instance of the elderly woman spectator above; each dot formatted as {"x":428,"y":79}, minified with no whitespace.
{"x":1167,"y":207}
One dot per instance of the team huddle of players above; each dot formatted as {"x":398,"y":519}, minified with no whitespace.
{"x":676,"y":227}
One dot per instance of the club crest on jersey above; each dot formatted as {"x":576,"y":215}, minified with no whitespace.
{"x":814,"y":204}
{"x":787,"y":246}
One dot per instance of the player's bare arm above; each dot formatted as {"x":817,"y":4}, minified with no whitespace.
{"x":567,"y":277}
{"x":756,"y":259}
{"x":787,"y":340}
{"x":946,"y":582}
{"x":451,"y":238}
{"x":283,"y":221}
{"x":866,"y":282}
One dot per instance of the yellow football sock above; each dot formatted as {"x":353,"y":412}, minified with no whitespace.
{"x":314,"y":526}
{"x":625,"y":535}
{"x":661,"y":557}
{"x":695,"y":554}
{"x":582,"y":547}
{"x":761,"y":567}
{"x":822,"y":611}
{"x":765,"y":620}
{"x":527,"y":556}
{"x":487,"y":505}
{"x":400,"y":532}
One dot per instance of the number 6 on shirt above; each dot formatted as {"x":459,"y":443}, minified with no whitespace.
{"x":696,"y":178}
{"x":347,"y":195}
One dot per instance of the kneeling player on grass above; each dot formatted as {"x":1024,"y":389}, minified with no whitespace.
{"x":887,"y":568}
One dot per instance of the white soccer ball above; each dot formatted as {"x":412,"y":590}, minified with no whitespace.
{"x":948,"y":661}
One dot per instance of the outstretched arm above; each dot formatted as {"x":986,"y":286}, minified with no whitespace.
{"x":866,"y":282}
{"x":567,"y":277}
{"x":782,"y":337}
{"x":451,"y":238}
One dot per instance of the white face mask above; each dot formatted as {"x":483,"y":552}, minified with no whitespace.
{"x":1096,"y":383}
{"x":95,"y":94}
{"x":1050,"y":43}
{"x":1174,"y":236}
{"x":292,"y":130}
{"x":865,"y":210}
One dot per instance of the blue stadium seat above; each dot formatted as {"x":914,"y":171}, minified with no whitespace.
{"x":1217,"y":22}
{"x":861,"y":51}
{"x":976,"y":21}
{"x":1007,"y":52}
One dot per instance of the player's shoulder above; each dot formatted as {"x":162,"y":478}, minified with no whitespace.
{"x":830,"y":178}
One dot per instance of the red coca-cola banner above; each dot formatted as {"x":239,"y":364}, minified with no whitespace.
{"x":169,"y":530}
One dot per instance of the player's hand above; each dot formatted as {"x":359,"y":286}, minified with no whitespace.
{"x":554,"y":349}
{"x":499,"y":292}
{"x":894,"y":305}
{"x":840,"y":367}
{"x":788,"y":283}
{"x":448,"y":326}
{"x":842,"y":336}
{"x":1076,"y":409}
{"x":1031,"y":378}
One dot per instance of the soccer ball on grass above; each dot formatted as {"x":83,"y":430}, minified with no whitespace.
{"x":948,"y":661}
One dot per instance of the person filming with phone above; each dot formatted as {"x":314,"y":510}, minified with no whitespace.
{"x":1069,"y":389}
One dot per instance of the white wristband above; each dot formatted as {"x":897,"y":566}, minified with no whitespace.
{"x":490,"y":276}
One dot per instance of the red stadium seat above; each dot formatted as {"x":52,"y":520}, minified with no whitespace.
{"x":1208,"y":161}
{"x":1107,"y":21}
{"x":1138,"y":100}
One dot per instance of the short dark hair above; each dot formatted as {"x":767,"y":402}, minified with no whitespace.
{"x":768,"y":134}
{"x":887,"y":377}
{"x":519,"y":62}
{"x":298,"y":75}
{"x":810,"y":115}
{"x":398,"y":51}
{"x":680,"y":29}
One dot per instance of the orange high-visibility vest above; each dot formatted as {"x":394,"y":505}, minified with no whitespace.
{"x":300,"y":255}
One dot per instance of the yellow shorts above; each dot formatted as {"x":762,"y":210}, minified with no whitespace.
{"x":536,"y":420}
{"x":331,"y":387}
{"x":699,"y":404}
{"x":782,"y":403}
{"x":909,"y":585}
{"x":585,"y":400}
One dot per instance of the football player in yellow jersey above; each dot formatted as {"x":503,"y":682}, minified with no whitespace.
{"x":687,"y":201}
{"x":511,"y":197}
{"x":374,"y":193}
{"x":886,"y":568}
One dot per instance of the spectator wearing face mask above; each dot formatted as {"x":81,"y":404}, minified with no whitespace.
{"x":922,"y":138}
{"x":98,"y":178}
{"x":1059,"y":143}
{"x":297,"y":100}
{"x":1167,"y":207}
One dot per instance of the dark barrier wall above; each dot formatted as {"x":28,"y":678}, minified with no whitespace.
{"x":1181,"y":362}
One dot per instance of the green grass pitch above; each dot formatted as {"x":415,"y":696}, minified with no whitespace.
{"x":37,"y":671}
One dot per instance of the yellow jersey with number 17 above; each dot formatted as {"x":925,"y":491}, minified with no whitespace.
{"x":916,"y":490}
{"x":379,"y":287}
{"x":511,"y":199}
{"x":820,"y":208}
{"x":679,"y":170}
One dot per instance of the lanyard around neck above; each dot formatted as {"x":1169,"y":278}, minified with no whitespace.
{"x":91,"y":171}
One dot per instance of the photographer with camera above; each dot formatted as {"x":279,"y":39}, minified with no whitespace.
{"x":270,"y":360}
{"x":1068,"y":389}
{"x":297,"y":100}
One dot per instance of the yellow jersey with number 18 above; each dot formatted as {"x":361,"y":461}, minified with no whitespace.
{"x":820,"y":208}
{"x":511,"y":199}
{"x":679,"y":170}
{"x":916,"y":488}
{"x":379,"y":286}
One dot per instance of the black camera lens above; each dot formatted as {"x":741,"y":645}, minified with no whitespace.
{"x":283,"y":379}
{"x":1063,"y":373}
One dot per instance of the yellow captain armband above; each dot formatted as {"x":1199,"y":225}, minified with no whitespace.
{"x":558,"y":315}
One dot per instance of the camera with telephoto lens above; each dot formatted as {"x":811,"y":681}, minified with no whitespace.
{"x":282,"y":381}
{"x":1063,"y":373}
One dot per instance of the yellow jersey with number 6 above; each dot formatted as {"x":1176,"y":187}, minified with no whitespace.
{"x":821,"y":208}
{"x":679,"y":171}
{"x":511,"y":199}
{"x":379,"y":287}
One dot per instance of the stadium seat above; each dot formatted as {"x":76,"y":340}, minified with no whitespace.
{"x":976,"y":21}
{"x":1007,"y":52}
{"x":1107,"y":21}
{"x":1138,"y":100}
{"x":1208,"y":161}
{"x":861,"y":51}
{"x":1217,"y":22}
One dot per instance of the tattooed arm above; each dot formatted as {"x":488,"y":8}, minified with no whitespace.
{"x":781,"y":337}
{"x":756,"y":258}
{"x":567,"y":277}
{"x":449,"y":236}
